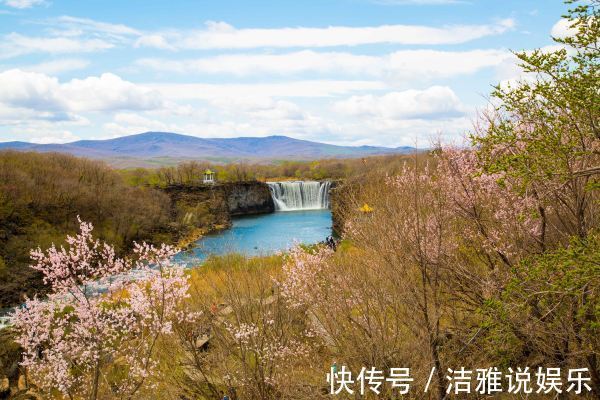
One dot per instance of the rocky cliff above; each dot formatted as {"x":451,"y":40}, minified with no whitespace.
{"x":200,"y":209}
{"x":340,"y":205}
{"x":246,"y":198}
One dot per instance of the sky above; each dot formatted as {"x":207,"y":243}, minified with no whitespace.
{"x":351,"y":72}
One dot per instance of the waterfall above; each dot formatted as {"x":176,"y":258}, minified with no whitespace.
{"x":300,"y":195}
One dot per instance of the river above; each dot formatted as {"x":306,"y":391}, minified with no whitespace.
{"x":262,"y":235}
{"x":302,"y":216}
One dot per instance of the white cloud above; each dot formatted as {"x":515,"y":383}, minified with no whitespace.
{"x":90,"y":25}
{"x":413,"y":64}
{"x":259,"y":107}
{"x":21,"y":4}
{"x":68,"y":34}
{"x":155,"y":41}
{"x":249,"y":64}
{"x":19,"y":115}
{"x":562,"y":28}
{"x":107,"y":92}
{"x":416,"y":64}
{"x":30,"y":90}
{"x":220,"y":35}
{"x":55,"y":67}
{"x":279,"y":110}
{"x":57,"y":137}
{"x":305,"y":82}
{"x":436,"y":102}
{"x":15,"y":44}
{"x":302,"y":88}
{"x":39,"y":126}
{"x":408,"y":132}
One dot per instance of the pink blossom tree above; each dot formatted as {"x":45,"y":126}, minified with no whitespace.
{"x":305,"y":281}
{"x":251,"y":342}
{"x":504,"y":222}
{"x":87,"y":344}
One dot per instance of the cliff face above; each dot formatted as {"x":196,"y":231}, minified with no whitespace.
{"x":339,"y":206}
{"x":198,"y":206}
{"x":200,"y":209}
{"x":245,"y":198}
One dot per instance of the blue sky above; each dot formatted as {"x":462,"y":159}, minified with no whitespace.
{"x":379,"y":72}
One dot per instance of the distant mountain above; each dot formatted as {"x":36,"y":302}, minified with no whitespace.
{"x":165,"y":145}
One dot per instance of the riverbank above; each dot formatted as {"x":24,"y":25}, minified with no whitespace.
{"x":201,"y":209}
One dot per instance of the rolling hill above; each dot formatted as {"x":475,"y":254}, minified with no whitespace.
{"x":160,"y":147}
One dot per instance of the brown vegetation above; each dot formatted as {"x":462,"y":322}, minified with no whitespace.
{"x":41,"y":196}
{"x":192,"y":172}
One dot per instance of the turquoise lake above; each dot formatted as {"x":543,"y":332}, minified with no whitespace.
{"x":303,"y":217}
{"x":263,"y":234}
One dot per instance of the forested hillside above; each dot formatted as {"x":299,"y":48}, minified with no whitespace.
{"x":41,"y":196}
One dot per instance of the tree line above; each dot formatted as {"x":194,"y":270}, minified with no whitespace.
{"x":192,"y":172}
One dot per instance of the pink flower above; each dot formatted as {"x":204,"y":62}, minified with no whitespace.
{"x":71,"y":339}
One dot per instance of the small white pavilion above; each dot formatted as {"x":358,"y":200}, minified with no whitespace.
{"x":209,"y":176}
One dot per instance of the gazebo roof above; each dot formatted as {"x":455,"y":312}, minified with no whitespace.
{"x":208,"y":172}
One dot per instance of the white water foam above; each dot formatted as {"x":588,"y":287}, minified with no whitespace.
{"x":300,"y":195}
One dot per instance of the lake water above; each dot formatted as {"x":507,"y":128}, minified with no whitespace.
{"x":263,"y":234}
